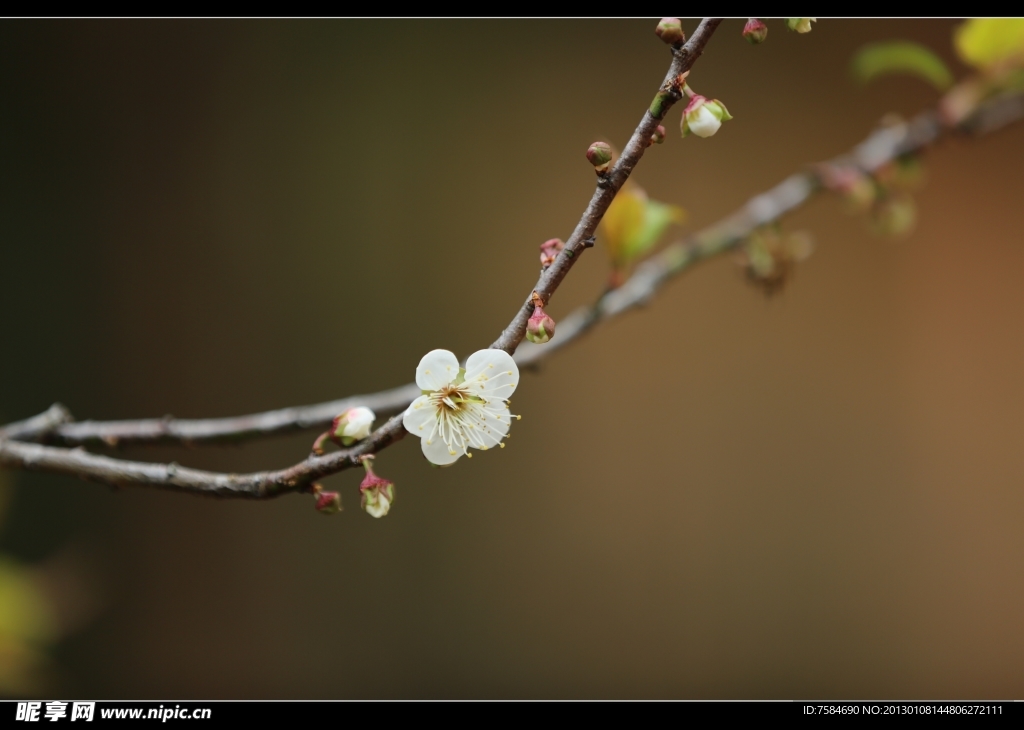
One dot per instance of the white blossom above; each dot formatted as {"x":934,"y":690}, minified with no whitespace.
{"x":354,"y":425}
{"x":461,"y":408}
{"x":703,"y":117}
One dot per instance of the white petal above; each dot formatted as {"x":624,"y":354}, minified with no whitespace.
{"x":437,"y":451}
{"x":420,"y":417}
{"x":360,"y":422}
{"x":702,"y":122}
{"x":491,"y":424}
{"x":377,"y":507}
{"x":492,"y":373}
{"x":436,"y":369}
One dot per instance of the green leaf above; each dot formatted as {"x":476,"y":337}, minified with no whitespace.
{"x":987,"y":42}
{"x":657,"y":217}
{"x":889,"y":57}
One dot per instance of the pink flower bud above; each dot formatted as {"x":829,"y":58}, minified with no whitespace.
{"x":755,"y":31}
{"x":376,"y":494}
{"x":600,"y":156}
{"x":549,"y":251}
{"x":327,"y":503}
{"x":670,"y":30}
{"x":659,"y":135}
{"x":353,"y":425}
{"x":540,"y":328}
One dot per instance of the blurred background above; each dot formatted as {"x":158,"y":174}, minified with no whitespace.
{"x":720,"y":496}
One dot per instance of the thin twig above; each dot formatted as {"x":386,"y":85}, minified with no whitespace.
{"x":259,"y":485}
{"x":607,"y":186}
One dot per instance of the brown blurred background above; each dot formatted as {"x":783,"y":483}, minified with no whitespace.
{"x":818,"y":495}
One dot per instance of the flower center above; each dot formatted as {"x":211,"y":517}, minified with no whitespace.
{"x":454,"y":398}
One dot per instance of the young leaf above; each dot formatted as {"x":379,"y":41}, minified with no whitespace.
{"x":987,"y":42}
{"x":633,"y":223}
{"x":889,"y":57}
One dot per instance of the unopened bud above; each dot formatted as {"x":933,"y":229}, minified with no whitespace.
{"x":327,"y":503}
{"x":353,"y":425}
{"x":769,"y":257}
{"x":600,"y":156}
{"x":894,"y":215}
{"x":800,"y":25}
{"x":659,"y":135}
{"x":755,"y":31}
{"x":376,"y":494}
{"x":540,"y":328}
{"x":670,"y":30}
{"x":858,"y":189}
{"x":549,"y":251}
{"x":703,"y":117}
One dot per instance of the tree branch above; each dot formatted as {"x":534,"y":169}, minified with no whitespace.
{"x":880,"y":148}
{"x":608,"y":185}
{"x":258,"y":485}
{"x":286,"y":420}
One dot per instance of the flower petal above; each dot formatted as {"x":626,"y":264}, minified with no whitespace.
{"x":492,"y":373}
{"x":438,"y":452}
{"x":702,"y":122}
{"x":436,"y":369}
{"x":420,"y":417}
{"x":490,"y":424}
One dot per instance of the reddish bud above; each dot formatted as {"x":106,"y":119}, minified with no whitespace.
{"x":659,"y":135}
{"x":600,"y":156}
{"x":755,"y":31}
{"x":376,"y":493}
{"x":670,"y":30}
{"x":549,"y":251}
{"x":327,"y":503}
{"x":540,"y":328}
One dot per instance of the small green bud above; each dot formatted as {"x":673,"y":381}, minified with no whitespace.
{"x":800,"y":25}
{"x":670,"y":30}
{"x":600,"y":156}
{"x":659,"y":135}
{"x":894,"y":215}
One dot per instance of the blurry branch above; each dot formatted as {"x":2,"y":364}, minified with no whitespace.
{"x":881,"y":148}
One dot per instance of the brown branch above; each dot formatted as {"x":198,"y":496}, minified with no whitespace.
{"x":608,"y":185}
{"x":208,"y":430}
{"x":259,"y":485}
